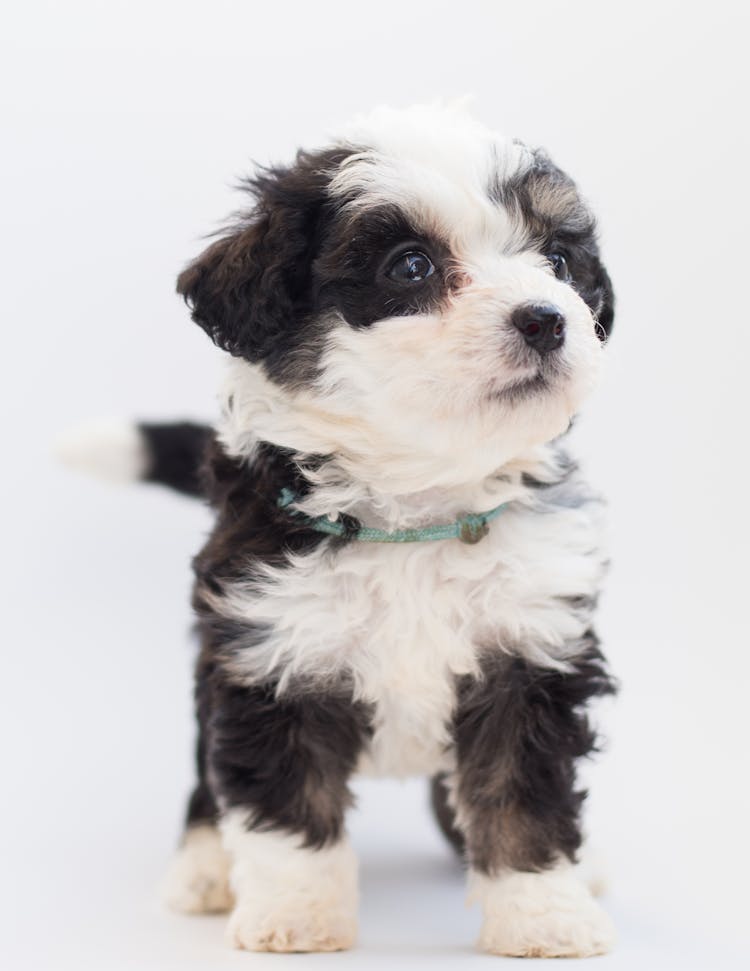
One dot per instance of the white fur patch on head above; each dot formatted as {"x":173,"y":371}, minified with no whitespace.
{"x":546,"y":914}
{"x":435,"y":160}
{"x":112,"y":449}
{"x":289,"y":897}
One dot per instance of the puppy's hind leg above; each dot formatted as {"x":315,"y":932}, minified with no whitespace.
{"x":197,"y":879}
{"x":445,"y":813}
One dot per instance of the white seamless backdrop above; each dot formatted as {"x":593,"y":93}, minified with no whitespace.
{"x":124,"y":126}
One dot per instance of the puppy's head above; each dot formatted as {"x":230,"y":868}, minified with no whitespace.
{"x":423,"y":296}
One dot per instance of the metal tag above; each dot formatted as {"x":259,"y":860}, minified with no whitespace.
{"x":472,"y":532}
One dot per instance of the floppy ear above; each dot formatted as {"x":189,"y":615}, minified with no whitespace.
{"x":243,"y":289}
{"x":254,"y":282}
{"x":237,"y":290}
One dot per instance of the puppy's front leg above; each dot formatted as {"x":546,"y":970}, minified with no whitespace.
{"x":518,"y":730}
{"x":290,"y":897}
{"x":280,"y":767}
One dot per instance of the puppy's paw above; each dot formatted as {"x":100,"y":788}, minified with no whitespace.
{"x":548,"y":914}
{"x":289,"y":897}
{"x":197,"y":880}
{"x":592,"y":869}
{"x":303,"y":925}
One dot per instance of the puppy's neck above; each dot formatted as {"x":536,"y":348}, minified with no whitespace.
{"x":362,"y":473}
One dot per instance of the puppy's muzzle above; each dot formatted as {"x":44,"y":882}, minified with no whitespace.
{"x":542,"y":326}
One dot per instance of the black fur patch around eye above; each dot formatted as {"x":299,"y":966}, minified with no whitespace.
{"x":546,"y":203}
{"x":350,"y":272}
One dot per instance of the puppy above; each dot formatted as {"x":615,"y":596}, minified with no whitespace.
{"x":405,"y":561}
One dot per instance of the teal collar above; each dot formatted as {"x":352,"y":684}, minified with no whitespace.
{"x":469,"y":528}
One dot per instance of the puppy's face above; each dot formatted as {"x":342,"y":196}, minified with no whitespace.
{"x":424,"y":295}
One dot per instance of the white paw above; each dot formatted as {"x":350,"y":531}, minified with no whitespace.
{"x":197,"y":880}
{"x":304,"y":925}
{"x":548,"y":914}
{"x":289,"y":897}
{"x":592,"y":869}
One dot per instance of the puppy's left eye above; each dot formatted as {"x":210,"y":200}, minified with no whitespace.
{"x":560,"y":266}
{"x":412,"y":267}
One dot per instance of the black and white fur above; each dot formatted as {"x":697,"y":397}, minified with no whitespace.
{"x":395,"y":403}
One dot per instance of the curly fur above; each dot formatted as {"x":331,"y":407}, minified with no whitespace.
{"x":397,"y":398}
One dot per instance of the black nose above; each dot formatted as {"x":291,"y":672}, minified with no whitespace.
{"x":542,"y":326}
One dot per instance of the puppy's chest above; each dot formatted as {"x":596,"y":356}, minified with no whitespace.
{"x":419,"y":635}
{"x":400,"y":624}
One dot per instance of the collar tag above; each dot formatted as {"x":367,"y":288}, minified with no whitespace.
{"x":472,"y":529}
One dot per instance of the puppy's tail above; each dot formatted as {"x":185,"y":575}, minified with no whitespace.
{"x":169,"y":454}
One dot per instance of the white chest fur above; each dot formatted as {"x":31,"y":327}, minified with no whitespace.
{"x":401,"y":622}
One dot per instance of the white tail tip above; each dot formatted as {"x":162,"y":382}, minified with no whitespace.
{"x":111,"y":449}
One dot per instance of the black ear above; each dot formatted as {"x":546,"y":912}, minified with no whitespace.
{"x":237,"y":290}
{"x":248,"y":286}
{"x":593,"y":284}
{"x":254,"y":283}
{"x":604,"y":301}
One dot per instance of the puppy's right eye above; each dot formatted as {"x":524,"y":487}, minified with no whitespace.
{"x":411,"y":267}
{"x":560,"y":267}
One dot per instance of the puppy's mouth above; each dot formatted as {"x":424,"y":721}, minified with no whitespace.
{"x":534,"y":379}
{"x":521,"y":389}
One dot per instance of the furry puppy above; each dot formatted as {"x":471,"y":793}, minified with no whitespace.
{"x":405,"y":562}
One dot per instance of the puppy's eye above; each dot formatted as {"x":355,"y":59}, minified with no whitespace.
{"x":412,"y":267}
{"x":560,"y":266}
